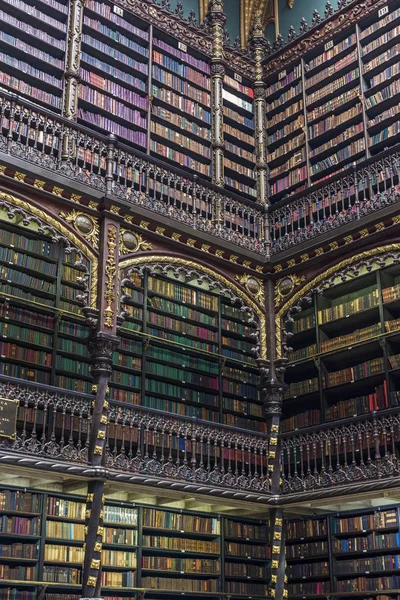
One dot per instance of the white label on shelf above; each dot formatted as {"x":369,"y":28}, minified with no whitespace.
{"x":282,"y":75}
{"x":237,"y":77}
{"x":328,"y":45}
{"x":367,"y":572}
{"x":383,"y":11}
{"x":118,"y":10}
{"x":364,"y":550}
{"x":183,"y":550}
{"x":12,"y":246}
{"x":182,"y":47}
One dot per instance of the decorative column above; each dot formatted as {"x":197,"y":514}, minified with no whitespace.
{"x":216,"y":19}
{"x":272,"y":388}
{"x":257,"y":43}
{"x":73,"y":59}
{"x":101,"y":347}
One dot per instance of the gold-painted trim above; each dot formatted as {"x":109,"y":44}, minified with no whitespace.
{"x":68,"y":234}
{"x":131,"y":262}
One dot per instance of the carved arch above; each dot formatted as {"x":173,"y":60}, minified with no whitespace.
{"x":26,"y":214}
{"x":368,"y":261}
{"x":203,"y":275}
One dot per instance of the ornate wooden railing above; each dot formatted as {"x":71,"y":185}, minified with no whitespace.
{"x":103,"y":163}
{"x":140,"y":443}
{"x":358,"y":192}
{"x":66,"y":148}
{"x":359,"y":450}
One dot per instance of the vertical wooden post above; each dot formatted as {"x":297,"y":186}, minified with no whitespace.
{"x":101,"y":347}
{"x":257,"y":42}
{"x":272,"y":388}
{"x":73,"y":59}
{"x":217,"y":20}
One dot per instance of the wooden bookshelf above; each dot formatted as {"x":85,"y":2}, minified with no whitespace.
{"x":167,"y":552}
{"x":361,"y":365}
{"x":182,"y":351}
{"x":41,"y":334}
{"x":335,"y":106}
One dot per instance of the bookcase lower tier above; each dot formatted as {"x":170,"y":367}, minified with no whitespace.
{"x":169,"y":553}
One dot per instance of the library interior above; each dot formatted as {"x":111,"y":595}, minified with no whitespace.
{"x":199,"y":299}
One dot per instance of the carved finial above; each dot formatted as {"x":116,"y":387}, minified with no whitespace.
{"x":316,"y":18}
{"x":279,"y":42}
{"x":166,"y":4}
{"x":292,"y":35}
{"x":237,"y":43}
{"x":216,"y":6}
{"x":192,"y":18}
{"x":328,"y":10}
{"x":179,"y":10}
{"x":303,"y":26}
{"x":267,"y":46}
{"x":342,"y":4}
{"x":227,"y":38}
{"x":258,"y":29}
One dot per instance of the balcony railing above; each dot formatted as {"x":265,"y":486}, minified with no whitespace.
{"x":66,"y":148}
{"x":358,"y":192}
{"x":363,"y":449}
{"x":141,"y":444}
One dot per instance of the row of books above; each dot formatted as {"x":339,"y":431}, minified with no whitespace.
{"x":116,"y":36}
{"x":361,"y":371}
{"x":106,"y":124}
{"x":386,"y":562}
{"x":181,"y":565}
{"x":19,"y":525}
{"x":306,"y":419}
{"x":181,"y":86}
{"x":312,"y":587}
{"x":19,"y":550}
{"x":377,"y":520}
{"x":334,"y":121}
{"x":186,"y":585}
{"x":181,"y":140}
{"x":348,"y":308}
{"x":378,"y":400}
{"x":184,"y":523}
{"x":113,"y":71}
{"x":306,"y":528}
{"x":64,"y":553}
{"x":305,"y":570}
{"x":365,"y":543}
{"x":105,"y":10}
{"x":18,"y":501}
{"x":115,"y":90}
{"x":371,"y":584}
{"x":41,"y":17}
{"x":182,"y":70}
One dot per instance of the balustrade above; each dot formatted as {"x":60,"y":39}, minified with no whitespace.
{"x":359,"y":450}
{"x":55,"y":424}
{"x":362,"y":190}
{"x":50,"y":141}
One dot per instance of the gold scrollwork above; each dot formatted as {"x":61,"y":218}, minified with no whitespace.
{"x":131,"y":242}
{"x":110,"y":270}
{"x":253,"y":285}
{"x":286,"y":286}
{"x":84,"y":224}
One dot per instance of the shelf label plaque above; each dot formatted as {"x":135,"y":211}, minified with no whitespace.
{"x":8,"y":418}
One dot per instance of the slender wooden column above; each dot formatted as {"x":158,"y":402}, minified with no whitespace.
{"x":73,"y":59}
{"x":257,"y":42}
{"x":101,"y":347}
{"x":217,"y":19}
{"x":272,"y":388}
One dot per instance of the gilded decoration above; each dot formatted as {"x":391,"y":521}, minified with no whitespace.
{"x":110,"y":271}
{"x":130,"y":262}
{"x":132,"y":242}
{"x":86,"y":225}
{"x":28,"y":207}
{"x":253,"y":285}
{"x":286,"y":286}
